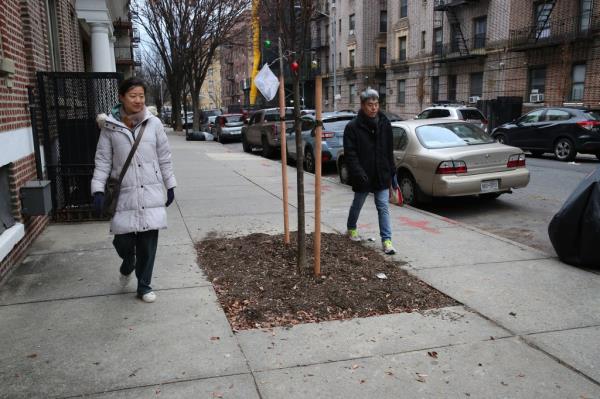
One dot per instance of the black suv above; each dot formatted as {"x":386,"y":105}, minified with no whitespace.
{"x":565,"y":131}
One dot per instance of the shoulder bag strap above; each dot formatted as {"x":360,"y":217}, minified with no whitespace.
{"x":130,"y":156}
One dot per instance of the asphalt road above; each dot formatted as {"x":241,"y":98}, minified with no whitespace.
{"x":522,"y":216}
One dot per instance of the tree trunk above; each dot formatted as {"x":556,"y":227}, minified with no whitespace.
{"x":195,"y":107}
{"x":300,"y":178}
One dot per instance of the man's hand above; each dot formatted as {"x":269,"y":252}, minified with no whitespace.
{"x":98,"y":202}
{"x":170,"y":196}
{"x":395,"y":185}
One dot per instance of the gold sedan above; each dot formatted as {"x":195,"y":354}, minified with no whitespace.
{"x":439,"y":158}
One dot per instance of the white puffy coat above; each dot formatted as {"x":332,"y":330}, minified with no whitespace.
{"x":141,"y":204}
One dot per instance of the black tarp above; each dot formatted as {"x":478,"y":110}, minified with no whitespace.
{"x":575,"y":230}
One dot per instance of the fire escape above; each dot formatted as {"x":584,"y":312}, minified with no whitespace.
{"x":458,"y":48}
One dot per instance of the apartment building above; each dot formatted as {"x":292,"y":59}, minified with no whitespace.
{"x":350,"y":40}
{"x":210,"y":92}
{"x":236,"y":66}
{"x":543,"y":52}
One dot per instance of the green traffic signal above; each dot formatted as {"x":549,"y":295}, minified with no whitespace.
{"x":267,"y":43}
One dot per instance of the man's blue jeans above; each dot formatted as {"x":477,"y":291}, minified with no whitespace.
{"x":381,"y":203}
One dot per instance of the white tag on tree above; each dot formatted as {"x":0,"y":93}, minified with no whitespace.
{"x":267,"y":82}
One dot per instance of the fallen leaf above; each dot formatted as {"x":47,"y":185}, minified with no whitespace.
{"x":217,"y":395}
{"x":389,"y":373}
{"x":32,"y":356}
{"x":520,"y":375}
{"x":215,"y":338}
{"x":354,"y":366}
{"x":513,"y":314}
{"x":363,"y":381}
{"x":504,"y":383}
{"x":420,"y":379}
{"x":432,"y":354}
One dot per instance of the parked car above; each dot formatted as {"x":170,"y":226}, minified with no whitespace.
{"x":392,"y":117}
{"x":565,"y":131}
{"x":207,"y":118}
{"x":190,"y":120}
{"x":456,"y":112}
{"x":263,"y":130}
{"x":444,"y":158}
{"x":228,"y":127}
{"x":332,"y":136}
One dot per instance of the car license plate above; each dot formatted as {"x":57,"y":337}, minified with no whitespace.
{"x":489,"y":186}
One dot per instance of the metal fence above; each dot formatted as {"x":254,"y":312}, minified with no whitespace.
{"x":69,"y":103}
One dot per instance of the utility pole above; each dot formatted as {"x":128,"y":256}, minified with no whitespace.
{"x":333,"y":25}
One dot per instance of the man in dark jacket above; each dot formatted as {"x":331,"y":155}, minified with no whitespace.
{"x":368,"y":150}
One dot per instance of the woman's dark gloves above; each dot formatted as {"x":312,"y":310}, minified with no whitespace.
{"x":170,"y":196}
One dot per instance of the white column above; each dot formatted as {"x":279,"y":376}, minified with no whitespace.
{"x":101,"y":49}
{"x":112,"y":53}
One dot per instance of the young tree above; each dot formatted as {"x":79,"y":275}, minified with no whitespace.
{"x":294,"y":18}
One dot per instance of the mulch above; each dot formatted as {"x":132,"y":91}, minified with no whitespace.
{"x":258,"y":285}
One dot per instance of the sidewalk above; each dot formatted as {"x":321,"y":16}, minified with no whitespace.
{"x":529,"y":327}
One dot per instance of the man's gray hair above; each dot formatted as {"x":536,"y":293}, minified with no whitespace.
{"x":369,"y":94}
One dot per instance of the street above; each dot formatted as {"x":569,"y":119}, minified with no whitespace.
{"x":522,"y":216}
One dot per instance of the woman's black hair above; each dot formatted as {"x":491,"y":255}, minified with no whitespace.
{"x":129,"y":83}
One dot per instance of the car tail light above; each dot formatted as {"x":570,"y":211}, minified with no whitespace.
{"x":484,"y":121}
{"x":516,"y":161}
{"x":325,"y":157}
{"x":589,"y":125}
{"x":451,"y":167}
{"x":327,"y":135}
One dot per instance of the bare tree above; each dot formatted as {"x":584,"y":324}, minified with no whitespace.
{"x":212,"y":25}
{"x":154,"y":75}
{"x":294,"y":18}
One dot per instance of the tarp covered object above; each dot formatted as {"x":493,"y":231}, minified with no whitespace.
{"x":575,"y":230}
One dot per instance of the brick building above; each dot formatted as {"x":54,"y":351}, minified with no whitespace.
{"x":51,"y":36}
{"x":545,"y":52}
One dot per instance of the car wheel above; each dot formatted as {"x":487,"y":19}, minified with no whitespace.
{"x":344,"y":172}
{"x":245,"y":145}
{"x":501,"y":138}
{"x":267,"y":150}
{"x":220,"y":139}
{"x":410,"y":190}
{"x":309,"y":160}
{"x":564,"y":150}
{"x":489,"y":196}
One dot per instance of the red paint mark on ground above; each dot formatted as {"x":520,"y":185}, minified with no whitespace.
{"x":268,"y":165}
{"x":325,"y":188}
{"x":365,"y":226}
{"x":418,"y":224}
{"x":449,"y":220}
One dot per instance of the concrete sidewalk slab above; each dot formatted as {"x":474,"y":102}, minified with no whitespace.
{"x":523,"y":296}
{"x":325,"y":342}
{"x":250,"y":205}
{"x":93,"y":273}
{"x":579,"y":348}
{"x":232,"y":387}
{"x":504,"y":368}
{"x":90,"y":345}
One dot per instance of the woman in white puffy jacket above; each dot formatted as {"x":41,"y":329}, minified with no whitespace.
{"x":141,"y":207}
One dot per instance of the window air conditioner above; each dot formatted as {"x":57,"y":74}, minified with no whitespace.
{"x":536,"y":97}
{"x":351,"y":32}
{"x":474,"y":99}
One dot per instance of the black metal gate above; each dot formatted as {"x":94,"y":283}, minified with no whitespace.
{"x":69,"y":103}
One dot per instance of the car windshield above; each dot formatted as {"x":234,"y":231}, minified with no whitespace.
{"x":335,"y":125}
{"x":470,"y":114}
{"x":445,"y":135}
{"x":593,"y":115}
{"x":212,"y":112}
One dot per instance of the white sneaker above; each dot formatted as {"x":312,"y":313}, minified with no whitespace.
{"x":124,"y":279}
{"x":149,"y":297}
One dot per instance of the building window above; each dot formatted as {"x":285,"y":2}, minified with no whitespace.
{"x":340,"y":59}
{"x":477,"y":84}
{"x":382,"y":94}
{"x":352,"y":93}
{"x":340,"y":26}
{"x":402,"y":48}
{"x":537,"y":80}
{"x":351,"y":58}
{"x":401,"y":92}
{"x":435,"y":89}
{"x":351,"y":22}
{"x":455,"y":37}
{"x":403,"y":8}
{"x":542,"y":20}
{"x":585,"y":15}
{"x":437,"y":41}
{"x":327,"y":63}
{"x":382,"y":56}
{"x":578,"y":82}
{"x":383,"y":21}
{"x":7,"y":219}
{"x":326,"y":94}
{"x":423,"y":38}
{"x":480,"y":32}
{"x":451,"y":87}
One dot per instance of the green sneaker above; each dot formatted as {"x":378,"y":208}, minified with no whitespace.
{"x":353,"y":235}
{"x":388,"y":248}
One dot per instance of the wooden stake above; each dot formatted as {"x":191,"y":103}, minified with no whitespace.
{"x":318,"y":161}
{"x":282,"y":135}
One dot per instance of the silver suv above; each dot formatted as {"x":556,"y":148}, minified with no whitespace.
{"x":456,"y":112}
{"x":263,"y":128}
